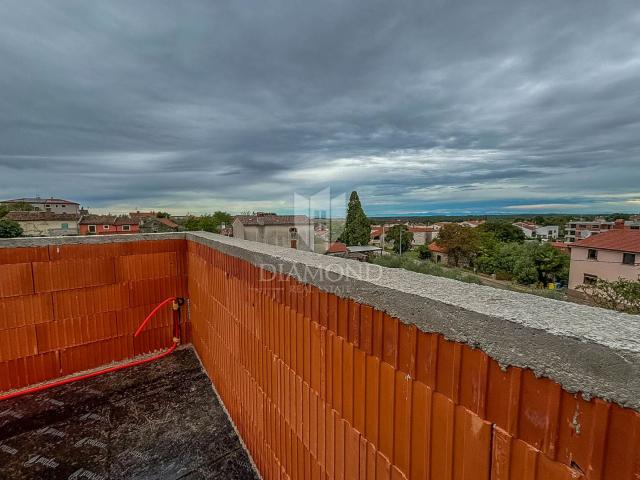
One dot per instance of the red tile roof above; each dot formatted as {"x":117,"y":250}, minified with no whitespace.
{"x":337,"y":247}
{"x":434,"y":247}
{"x":618,"y":240}
{"x":418,"y":229}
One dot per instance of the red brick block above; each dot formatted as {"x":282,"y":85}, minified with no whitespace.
{"x":25,"y":310}
{"x":70,"y":274}
{"x":91,"y":355}
{"x":448,"y":368}
{"x":23,"y":255}
{"x":152,"y":340}
{"x":75,"y":331}
{"x":155,"y":290}
{"x":129,"y":319}
{"x":539,"y":412}
{"x":16,"y":279}
{"x":387,"y":409}
{"x":390,"y":341}
{"x":442,"y":432}
{"x":472,"y":446}
{"x":25,"y":371}
{"x":420,"y":431}
{"x":18,"y":342}
{"x":474,"y":373}
{"x":76,"y":252}
{"x":150,"y":265}
{"x":86,"y":301}
{"x":372,"y":400}
{"x":402,"y":427}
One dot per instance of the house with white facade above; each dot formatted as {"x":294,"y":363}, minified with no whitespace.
{"x":45,"y":224}
{"x":295,"y":231}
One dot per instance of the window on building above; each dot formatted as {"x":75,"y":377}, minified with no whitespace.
{"x":92,"y":229}
{"x":592,"y":254}
{"x":105,"y":227}
{"x":126,"y":228}
{"x":64,"y":226}
{"x":590,"y":279}
{"x":629,"y":258}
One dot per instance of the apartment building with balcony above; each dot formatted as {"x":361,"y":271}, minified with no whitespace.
{"x":326,"y":368}
{"x":579,"y":230}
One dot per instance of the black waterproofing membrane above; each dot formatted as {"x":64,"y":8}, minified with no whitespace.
{"x":156,"y":421}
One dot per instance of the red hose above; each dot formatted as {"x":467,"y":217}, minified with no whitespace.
{"x":57,"y":383}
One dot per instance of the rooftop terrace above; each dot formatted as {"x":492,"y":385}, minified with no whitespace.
{"x":160,"y":420}
{"x":331,"y":368}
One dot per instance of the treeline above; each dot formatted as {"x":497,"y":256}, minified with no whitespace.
{"x":499,"y":248}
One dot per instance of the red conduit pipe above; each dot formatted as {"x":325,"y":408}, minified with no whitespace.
{"x":176,"y":341}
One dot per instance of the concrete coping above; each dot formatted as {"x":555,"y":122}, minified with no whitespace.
{"x":587,"y":350}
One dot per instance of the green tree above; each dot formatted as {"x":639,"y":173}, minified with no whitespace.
{"x":163,"y":215}
{"x":4,"y":209}
{"x":209,"y":223}
{"x":423,"y":252}
{"x":621,"y":294}
{"x":356,"y":230}
{"x":503,"y":231}
{"x":463,"y":244}
{"x":9,"y":228}
{"x":401,"y":238}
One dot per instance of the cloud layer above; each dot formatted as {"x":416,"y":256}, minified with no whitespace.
{"x":436,"y":106}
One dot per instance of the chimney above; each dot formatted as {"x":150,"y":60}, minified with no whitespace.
{"x":618,"y":224}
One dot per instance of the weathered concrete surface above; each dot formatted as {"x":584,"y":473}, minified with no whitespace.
{"x":585,"y":349}
{"x":87,"y":239}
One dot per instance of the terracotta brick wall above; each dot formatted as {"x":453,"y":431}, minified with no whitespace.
{"x":323,"y":387}
{"x":67,"y":308}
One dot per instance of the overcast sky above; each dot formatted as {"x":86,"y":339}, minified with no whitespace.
{"x":422,"y":106}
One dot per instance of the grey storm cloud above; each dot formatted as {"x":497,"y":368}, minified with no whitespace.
{"x":207,"y":104}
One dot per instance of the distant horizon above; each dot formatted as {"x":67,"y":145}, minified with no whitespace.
{"x":457,"y":108}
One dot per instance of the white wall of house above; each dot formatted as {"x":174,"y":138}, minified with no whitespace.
{"x":49,"y":228}
{"x":607,"y":266}
{"x":276,"y":234}
{"x":550,"y":232}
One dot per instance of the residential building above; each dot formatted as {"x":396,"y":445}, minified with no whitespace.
{"x":439,"y":254}
{"x":547,"y":233}
{"x":632,"y":224}
{"x":578,"y":229}
{"x":155,"y":224}
{"x":423,"y":235}
{"x":54,"y":205}
{"x":295,"y":231}
{"x":45,"y":224}
{"x":528,"y":228}
{"x":608,"y":256}
{"x":107,"y":225}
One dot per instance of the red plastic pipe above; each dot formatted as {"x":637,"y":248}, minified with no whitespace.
{"x":57,"y":383}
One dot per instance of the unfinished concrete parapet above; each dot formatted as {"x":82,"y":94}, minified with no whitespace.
{"x":585,"y":349}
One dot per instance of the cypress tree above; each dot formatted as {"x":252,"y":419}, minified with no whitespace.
{"x":356,"y":230}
